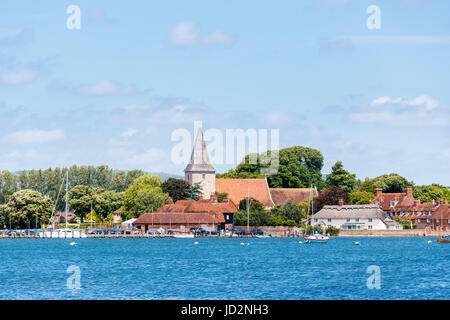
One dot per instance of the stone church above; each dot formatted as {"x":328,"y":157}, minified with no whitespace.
{"x":200,"y":170}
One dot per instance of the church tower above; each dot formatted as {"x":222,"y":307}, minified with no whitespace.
{"x":200,"y":169}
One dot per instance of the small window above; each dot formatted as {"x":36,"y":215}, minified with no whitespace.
{"x":329,"y":220}
{"x":370,"y":219}
{"x":357,"y":219}
{"x":348,"y":220}
{"x":315,"y":220}
{"x":370,"y":227}
{"x":203,"y":176}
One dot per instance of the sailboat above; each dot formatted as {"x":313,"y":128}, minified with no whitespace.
{"x":64,"y":232}
{"x":315,"y":237}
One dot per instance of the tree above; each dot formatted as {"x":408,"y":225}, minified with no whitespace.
{"x":329,"y":196}
{"x":144,"y":194}
{"x":177,"y":189}
{"x":368,"y":186}
{"x":93,"y":217}
{"x":289,"y":211}
{"x":299,"y":167}
{"x":341,"y":178}
{"x":392,"y":183}
{"x":28,"y":208}
{"x":194,"y":192}
{"x":428,"y":193}
{"x":104,"y":202}
{"x":221,"y":196}
{"x":360,"y":197}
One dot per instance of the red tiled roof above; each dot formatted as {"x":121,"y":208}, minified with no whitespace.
{"x":282,"y":195}
{"x":118,"y":210}
{"x":385,"y":199}
{"x":238,"y":189}
{"x":189,"y":211}
{"x":442,"y":212}
{"x":178,"y":218}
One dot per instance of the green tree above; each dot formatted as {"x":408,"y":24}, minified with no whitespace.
{"x":28,"y":208}
{"x":194,"y":192}
{"x":341,"y":178}
{"x":299,"y":167}
{"x":428,"y":193}
{"x":221,"y":196}
{"x":178,"y":189}
{"x":144,"y":194}
{"x":329,"y":196}
{"x":360,"y":197}
{"x":392,"y":183}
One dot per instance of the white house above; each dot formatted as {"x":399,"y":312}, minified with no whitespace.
{"x":355,"y":217}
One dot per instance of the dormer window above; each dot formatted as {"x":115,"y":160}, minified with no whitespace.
{"x":393,"y":203}
{"x":203,"y":176}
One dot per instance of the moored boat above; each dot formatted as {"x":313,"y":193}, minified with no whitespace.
{"x":316,"y":238}
{"x":444,"y":239}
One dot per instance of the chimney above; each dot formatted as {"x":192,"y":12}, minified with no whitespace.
{"x":416,"y":202}
{"x":170,"y":200}
{"x":379,"y":191}
{"x":409,"y":192}
{"x":341,"y":202}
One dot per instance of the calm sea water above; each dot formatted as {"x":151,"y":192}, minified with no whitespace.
{"x":223,"y":269}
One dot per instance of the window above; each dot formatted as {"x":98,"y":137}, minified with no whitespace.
{"x":348,"y":220}
{"x":329,"y":220}
{"x":370,"y":227}
{"x":203,"y":176}
{"x":357,"y":219}
{"x":315,"y":220}
{"x":370,"y":219}
{"x":438,"y":220}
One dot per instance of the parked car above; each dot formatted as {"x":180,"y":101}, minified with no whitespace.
{"x":258,"y":232}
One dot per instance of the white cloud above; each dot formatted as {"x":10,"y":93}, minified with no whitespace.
{"x":421,"y":110}
{"x":104,"y":87}
{"x":136,"y":107}
{"x":186,"y":34}
{"x":19,"y":77}
{"x":400,"y":40}
{"x":218,"y":37}
{"x":37,"y":136}
{"x":147,"y":158}
{"x":128,"y":133}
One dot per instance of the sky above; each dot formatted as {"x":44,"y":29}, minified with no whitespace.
{"x":115,"y":90}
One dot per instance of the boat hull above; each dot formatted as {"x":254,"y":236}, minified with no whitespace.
{"x":443,"y":240}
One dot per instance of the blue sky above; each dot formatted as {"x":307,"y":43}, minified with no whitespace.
{"x":113,"y":91}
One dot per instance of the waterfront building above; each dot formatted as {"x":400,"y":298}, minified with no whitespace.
{"x":116,"y":216}
{"x":60,"y":217}
{"x":183,"y":215}
{"x":354,"y":217}
{"x":440,"y":219}
{"x":405,"y":206}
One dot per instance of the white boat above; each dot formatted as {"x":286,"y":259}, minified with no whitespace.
{"x":64,"y":233}
{"x":183,"y":235}
{"x":316,"y":238}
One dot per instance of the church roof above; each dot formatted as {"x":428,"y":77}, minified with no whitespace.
{"x":199,"y":157}
{"x":282,"y":195}
{"x":238,"y":189}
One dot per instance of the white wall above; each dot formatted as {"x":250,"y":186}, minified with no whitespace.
{"x":377,"y":224}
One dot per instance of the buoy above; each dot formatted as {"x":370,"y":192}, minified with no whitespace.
{"x":300,"y":242}
{"x":242,"y":243}
{"x":73,"y":243}
{"x":195,"y":242}
{"x":429,"y":241}
{"x":357,"y":243}
{"x":248,"y":244}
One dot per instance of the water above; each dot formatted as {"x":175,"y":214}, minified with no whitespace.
{"x":223,"y":269}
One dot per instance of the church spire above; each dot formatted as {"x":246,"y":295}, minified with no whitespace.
{"x":199,"y":157}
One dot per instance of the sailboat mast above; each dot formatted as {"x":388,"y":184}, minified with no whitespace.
{"x":67,"y":196}
{"x":248,"y":207}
